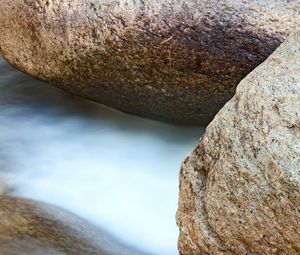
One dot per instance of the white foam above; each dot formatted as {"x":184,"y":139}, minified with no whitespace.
{"x":116,"y":170}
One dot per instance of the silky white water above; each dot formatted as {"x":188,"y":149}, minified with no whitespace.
{"x":118,"y":171}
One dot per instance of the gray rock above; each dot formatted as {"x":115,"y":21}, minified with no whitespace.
{"x":240,"y":188}
{"x":174,"y":60}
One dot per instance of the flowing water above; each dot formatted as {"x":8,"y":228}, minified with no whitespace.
{"x":118,"y":171}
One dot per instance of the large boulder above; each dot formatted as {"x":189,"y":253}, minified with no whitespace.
{"x":30,"y":227}
{"x":240,"y":187}
{"x":173,"y":60}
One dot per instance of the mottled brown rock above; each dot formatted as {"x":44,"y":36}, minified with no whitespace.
{"x":240,"y":188}
{"x":174,"y":60}
{"x":29,"y":227}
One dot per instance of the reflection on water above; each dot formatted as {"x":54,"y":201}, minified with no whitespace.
{"x":116,"y":170}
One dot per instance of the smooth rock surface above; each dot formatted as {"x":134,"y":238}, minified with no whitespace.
{"x":173,"y":60}
{"x":29,"y":227}
{"x":240,"y":188}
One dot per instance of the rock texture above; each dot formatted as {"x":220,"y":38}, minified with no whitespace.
{"x":173,"y":60}
{"x":240,"y":188}
{"x":29,"y":227}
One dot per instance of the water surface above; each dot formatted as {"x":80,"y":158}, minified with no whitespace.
{"x":118,"y":171}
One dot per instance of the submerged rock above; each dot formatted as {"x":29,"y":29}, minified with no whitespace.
{"x":240,"y":188}
{"x":29,"y":227}
{"x":172,"y":60}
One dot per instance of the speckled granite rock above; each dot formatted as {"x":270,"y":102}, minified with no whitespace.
{"x":173,"y":60}
{"x":240,"y":188}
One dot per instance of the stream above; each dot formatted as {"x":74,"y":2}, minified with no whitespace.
{"x":118,"y":171}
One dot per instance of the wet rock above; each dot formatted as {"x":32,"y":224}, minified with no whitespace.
{"x":240,"y":188}
{"x":172,"y":60}
{"x":29,"y":227}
